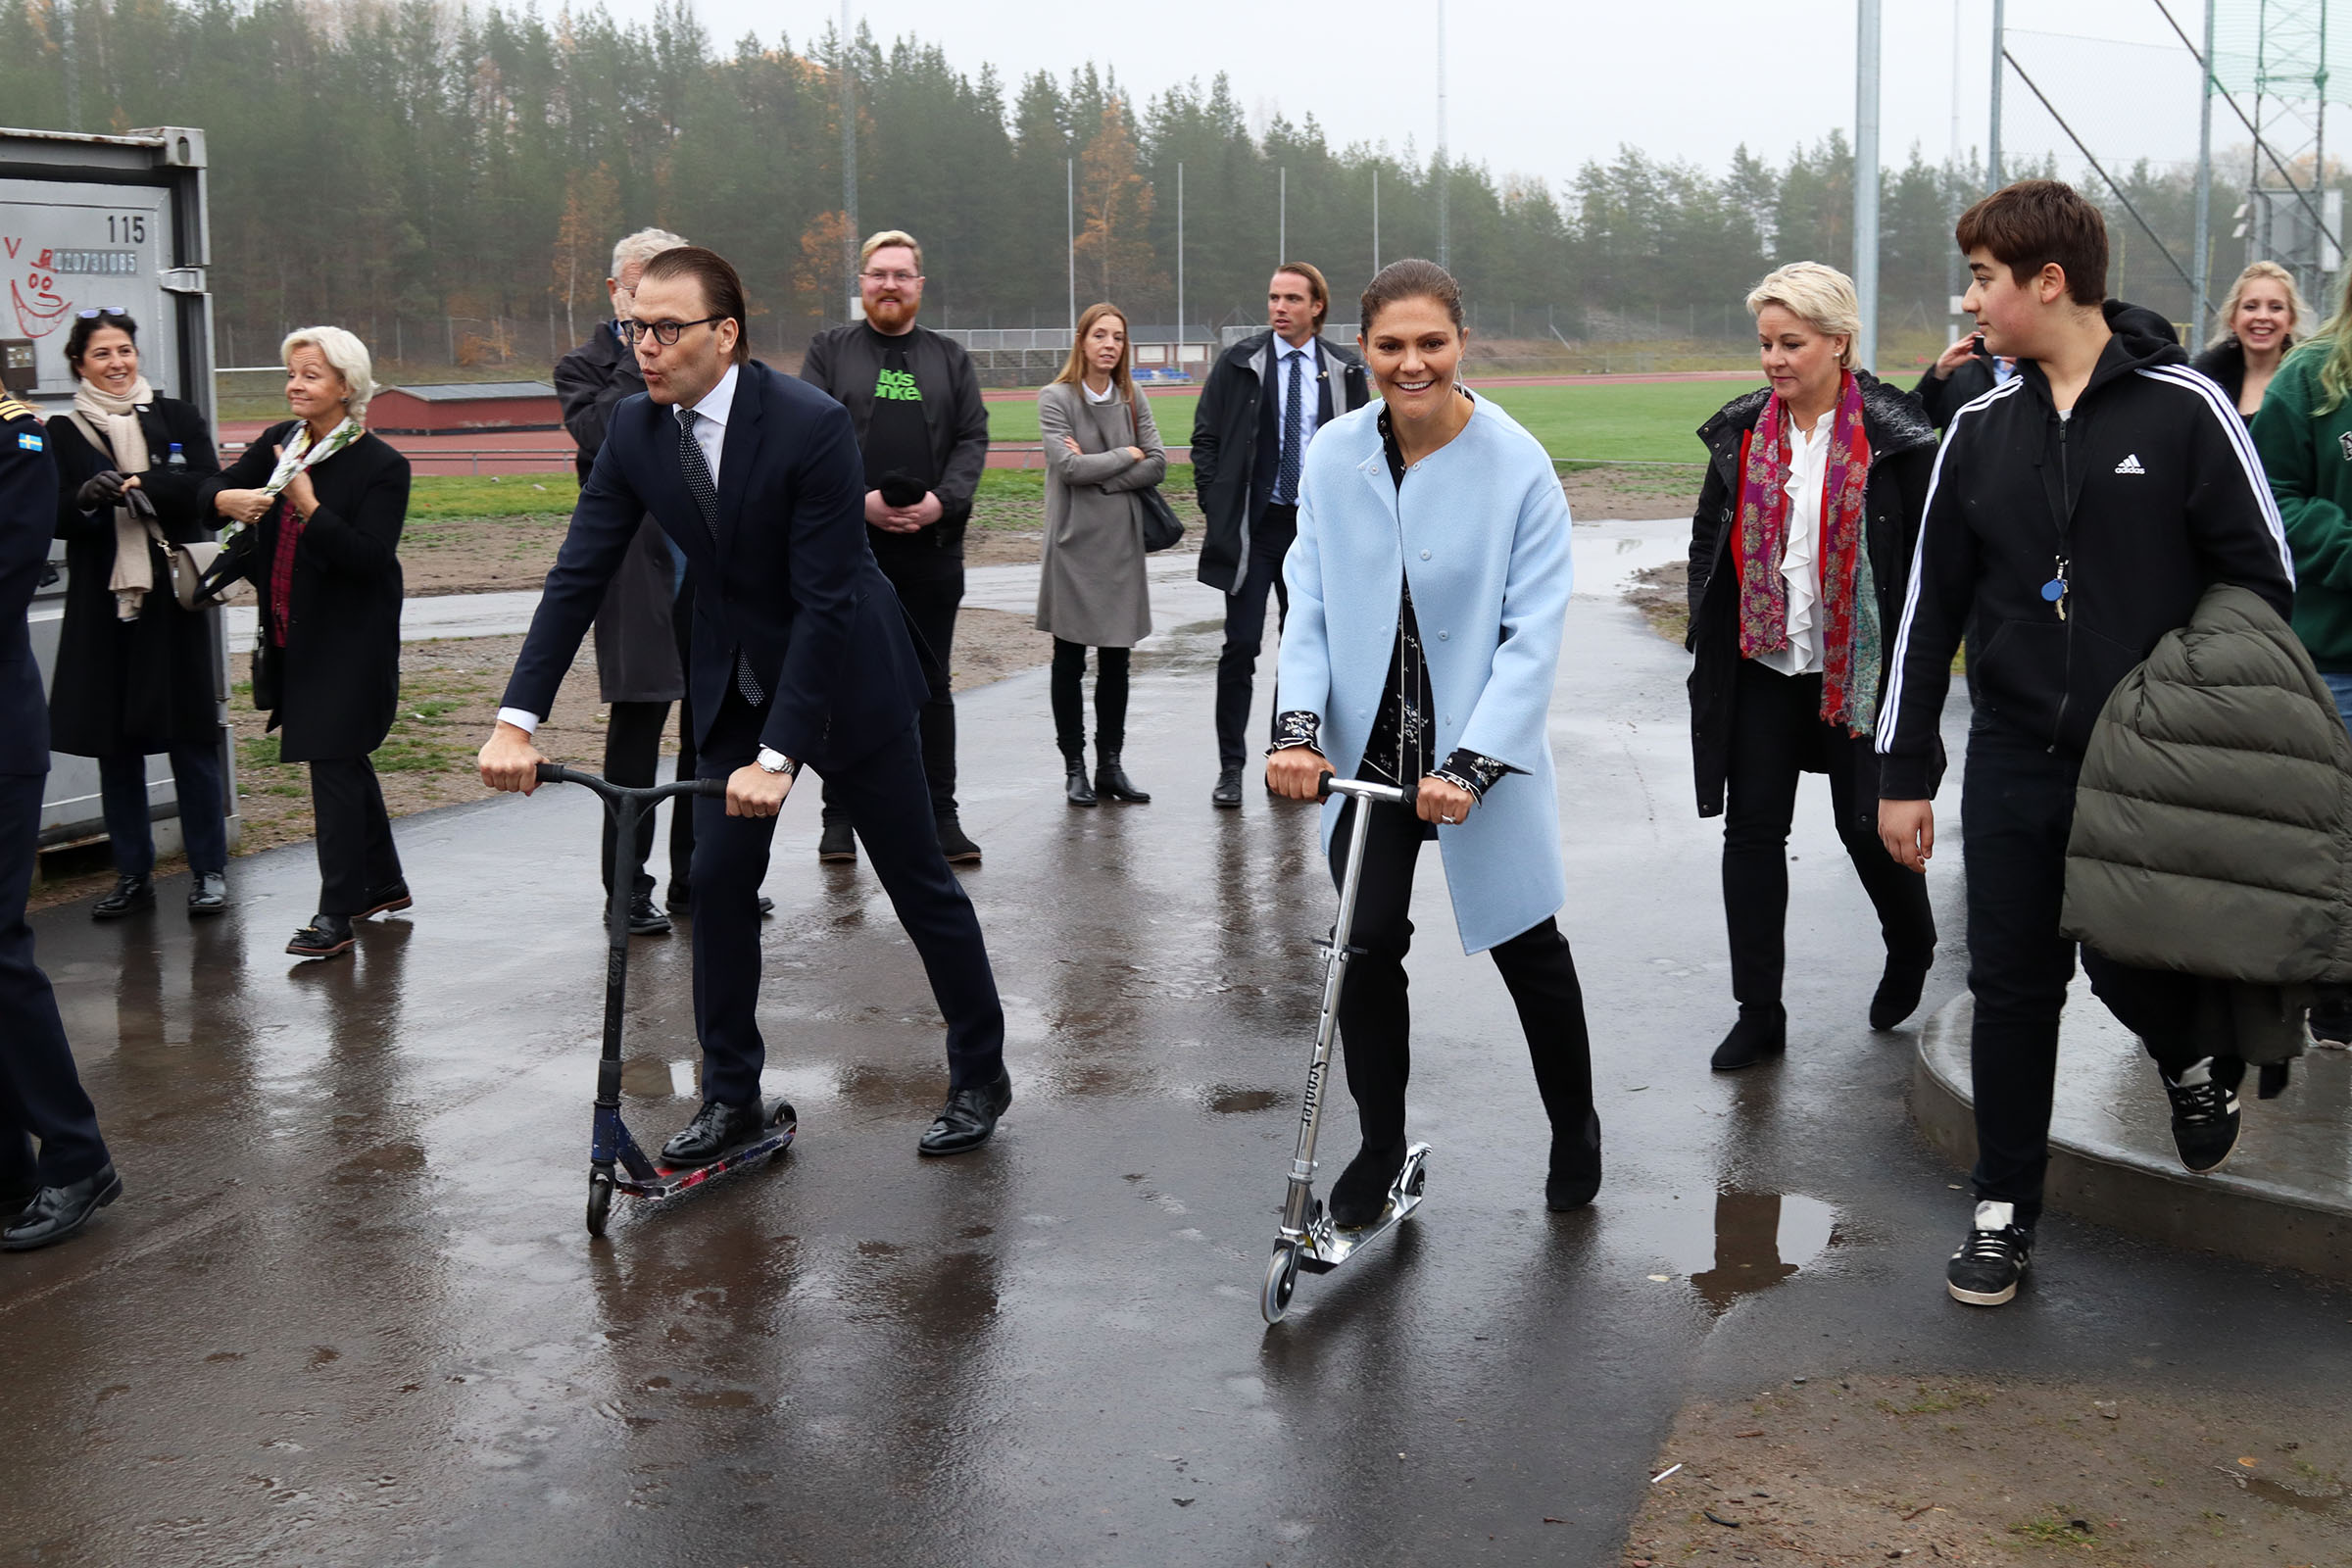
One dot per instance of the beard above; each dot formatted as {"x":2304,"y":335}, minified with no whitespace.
{"x":890,"y":313}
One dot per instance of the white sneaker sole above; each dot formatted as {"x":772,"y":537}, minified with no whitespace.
{"x":1982,"y":1298}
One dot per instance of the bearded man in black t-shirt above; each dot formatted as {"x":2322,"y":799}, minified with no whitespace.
{"x":914,"y":399}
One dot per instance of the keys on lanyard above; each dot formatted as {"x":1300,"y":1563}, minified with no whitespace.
{"x":2055,"y":589}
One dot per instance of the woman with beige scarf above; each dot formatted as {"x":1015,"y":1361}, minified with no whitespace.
{"x":135,"y":671}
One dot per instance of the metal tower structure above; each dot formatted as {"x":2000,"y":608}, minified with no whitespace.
{"x":2280,"y":53}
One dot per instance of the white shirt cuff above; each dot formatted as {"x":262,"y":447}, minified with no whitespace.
{"x":526,"y":722}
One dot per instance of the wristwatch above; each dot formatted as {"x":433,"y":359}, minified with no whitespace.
{"x":773,"y":760}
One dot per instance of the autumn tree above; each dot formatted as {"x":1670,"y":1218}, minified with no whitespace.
{"x":817,"y":280}
{"x":590,"y":223}
{"x":1114,"y":212}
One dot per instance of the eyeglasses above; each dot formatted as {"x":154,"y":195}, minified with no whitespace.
{"x":899,"y":279}
{"x":103,"y":309}
{"x":665,"y":333}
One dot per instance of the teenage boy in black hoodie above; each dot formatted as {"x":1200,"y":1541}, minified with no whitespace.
{"x":2076,"y":514}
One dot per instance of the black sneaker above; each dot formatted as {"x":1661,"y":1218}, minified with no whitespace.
{"x":1992,"y":1258}
{"x":2205,"y":1117}
{"x":837,"y":843}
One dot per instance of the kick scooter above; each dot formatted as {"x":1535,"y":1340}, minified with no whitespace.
{"x":614,"y":1162}
{"x":1308,"y":1240}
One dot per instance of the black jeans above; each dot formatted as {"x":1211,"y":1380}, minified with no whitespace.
{"x":2016,"y":811}
{"x":355,"y":856}
{"x":1777,"y":733}
{"x":929,"y":578}
{"x":1375,"y":1015}
{"x":633,"y":756}
{"x":1246,"y":627}
{"x":196,"y":783}
{"x":1070,"y":702}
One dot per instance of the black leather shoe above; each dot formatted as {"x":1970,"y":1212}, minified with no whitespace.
{"x":955,"y":844}
{"x":1228,"y":788}
{"x":645,"y":920}
{"x":1575,"y":1175}
{"x":391,"y":897}
{"x":327,"y":936}
{"x":969,"y":1117}
{"x":837,"y":843}
{"x":715,"y":1130}
{"x":1757,"y":1037}
{"x":132,"y":893}
{"x":679,"y":901}
{"x":210,"y":895}
{"x":13,"y":1202}
{"x":59,"y":1213}
{"x":1075,"y":786}
{"x":1362,"y":1190}
{"x":1898,"y":991}
{"x":1111,"y":782}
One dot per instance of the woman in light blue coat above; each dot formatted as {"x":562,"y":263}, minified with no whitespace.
{"x":1428,"y":585}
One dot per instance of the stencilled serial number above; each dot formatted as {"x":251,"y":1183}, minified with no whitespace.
{"x":100,"y":264}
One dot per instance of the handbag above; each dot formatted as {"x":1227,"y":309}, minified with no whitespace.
{"x":1162,"y":528}
{"x":188,"y":563}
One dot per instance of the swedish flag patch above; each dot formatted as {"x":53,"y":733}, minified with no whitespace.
{"x":30,"y":441}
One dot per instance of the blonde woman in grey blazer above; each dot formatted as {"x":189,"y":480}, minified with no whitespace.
{"x":1102,"y":446}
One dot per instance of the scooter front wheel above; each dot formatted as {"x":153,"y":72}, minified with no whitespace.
{"x":1282,"y":1278}
{"x":599,"y":1200}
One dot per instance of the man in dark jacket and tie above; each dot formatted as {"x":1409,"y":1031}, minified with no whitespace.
{"x":53,"y":1196}
{"x":1263,"y":402}
{"x":800,"y":655}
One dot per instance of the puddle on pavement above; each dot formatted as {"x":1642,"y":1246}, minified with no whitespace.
{"x":655,"y":1077}
{"x":2329,"y":1506}
{"x":1751,"y":1241}
{"x":1226,"y":1099}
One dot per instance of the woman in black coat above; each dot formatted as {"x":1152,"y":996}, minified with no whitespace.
{"x":322,"y":503}
{"x":1799,"y":552}
{"x":135,"y":671}
{"x":2261,"y":319}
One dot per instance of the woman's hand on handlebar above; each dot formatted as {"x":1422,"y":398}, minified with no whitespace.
{"x":1436,"y":801}
{"x":1296,"y":772}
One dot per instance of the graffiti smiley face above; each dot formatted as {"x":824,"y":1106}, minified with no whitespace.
{"x":39,"y":309}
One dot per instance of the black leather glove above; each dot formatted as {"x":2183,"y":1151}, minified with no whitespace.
{"x":100,"y":489}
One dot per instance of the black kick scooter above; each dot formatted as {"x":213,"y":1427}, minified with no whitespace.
{"x":614,"y":1162}
{"x":1308,"y":1240}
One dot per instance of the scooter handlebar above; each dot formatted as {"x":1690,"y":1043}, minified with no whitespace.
{"x":1365,"y":790}
{"x":557,"y":773}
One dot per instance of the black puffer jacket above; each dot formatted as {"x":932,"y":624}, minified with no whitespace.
{"x":1902,"y":453}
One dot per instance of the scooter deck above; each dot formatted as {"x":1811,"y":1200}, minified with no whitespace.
{"x":1326,"y":1245}
{"x":672,"y":1181}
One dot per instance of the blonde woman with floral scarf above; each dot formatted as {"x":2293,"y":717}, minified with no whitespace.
{"x":319,"y":504}
{"x":135,"y":671}
{"x":1799,"y":552}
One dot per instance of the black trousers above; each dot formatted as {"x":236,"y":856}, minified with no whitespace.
{"x":1246,"y":627}
{"x":41,"y":1097}
{"x":681,"y":811}
{"x":633,"y":756}
{"x":1777,"y":733}
{"x":1375,"y":1015}
{"x":197,"y":785}
{"x":2016,"y":809}
{"x":1069,"y":700}
{"x":890,"y":808}
{"x":929,"y":579}
{"x":355,"y":856}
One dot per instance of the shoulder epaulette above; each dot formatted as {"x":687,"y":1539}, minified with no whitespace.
{"x":11,"y":409}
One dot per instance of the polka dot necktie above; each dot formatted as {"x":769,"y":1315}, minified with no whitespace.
{"x":706,"y":499}
{"x":1286,"y":483}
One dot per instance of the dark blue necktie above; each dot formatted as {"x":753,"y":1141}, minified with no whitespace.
{"x":705,"y":499}
{"x":1285,"y":481}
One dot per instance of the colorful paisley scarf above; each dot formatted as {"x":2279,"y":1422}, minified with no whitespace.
{"x":1850,"y":652}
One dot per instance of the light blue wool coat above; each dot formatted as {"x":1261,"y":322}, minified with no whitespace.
{"x":1481,"y":528}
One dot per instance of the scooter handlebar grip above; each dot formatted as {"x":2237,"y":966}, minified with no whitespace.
{"x":553,"y":774}
{"x":1409,"y":800}
{"x":716,"y":788}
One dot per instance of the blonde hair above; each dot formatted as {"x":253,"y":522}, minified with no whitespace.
{"x":1074,"y":369}
{"x":1820,"y":296}
{"x":2271,"y":271}
{"x":635,"y":250}
{"x":344,"y":354}
{"x":884,"y":241}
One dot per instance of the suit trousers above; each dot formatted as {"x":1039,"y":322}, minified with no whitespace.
{"x":41,"y":1097}
{"x":1777,"y":730}
{"x":889,"y":803}
{"x":1375,"y":1012}
{"x":196,"y":784}
{"x":681,"y":811}
{"x":356,"y":855}
{"x":633,"y":756}
{"x":2016,"y":808}
{"x":1246,"y":627}
{"x":929,"y":578}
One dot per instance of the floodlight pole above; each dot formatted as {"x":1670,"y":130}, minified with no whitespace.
{"x":849,"y":163}
{"x":1376,"y":219}
{"x":1282,"y":213}
{"x":1866,"y":179}
{"x":1992,"y":139}
{"x":1445,"y":247}
{"x":1071,"y":180}
{"x":2201,"y":265}
{"x":1180,"y":328}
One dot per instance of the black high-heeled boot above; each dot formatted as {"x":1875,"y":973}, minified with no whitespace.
{"x":1080,"y":792}
{"x":1112,"y":783}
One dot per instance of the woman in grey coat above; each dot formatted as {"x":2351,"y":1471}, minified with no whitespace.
{"x":1102,"y":446}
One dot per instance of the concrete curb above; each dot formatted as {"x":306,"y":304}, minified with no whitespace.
{"x":2141,"y":1191}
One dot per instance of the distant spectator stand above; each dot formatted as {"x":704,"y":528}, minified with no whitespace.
{"x":465,"y":406}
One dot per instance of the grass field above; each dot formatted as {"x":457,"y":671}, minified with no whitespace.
{"x":1643,"y":422}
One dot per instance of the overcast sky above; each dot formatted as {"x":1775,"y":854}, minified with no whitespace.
{"x":1539,"y":88}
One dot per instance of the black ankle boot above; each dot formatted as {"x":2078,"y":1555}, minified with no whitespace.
{"x":1900,"y":988}
{"x":1761,"y":1033}
{"x":1112,"y":783}
{"x":1362,"y":1190}
{"x":1080,"y":792}
{"x":1575,"y":1175}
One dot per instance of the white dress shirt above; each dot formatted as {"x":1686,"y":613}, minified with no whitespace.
{"x":711,"y":434}
{"x":1801,"y":555}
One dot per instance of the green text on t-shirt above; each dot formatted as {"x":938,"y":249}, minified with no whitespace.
{"x":897,"y":386}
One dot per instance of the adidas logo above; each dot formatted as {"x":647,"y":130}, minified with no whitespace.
{"x":2131,"y":464}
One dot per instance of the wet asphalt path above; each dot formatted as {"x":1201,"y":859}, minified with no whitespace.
{"x":348,"y":1314}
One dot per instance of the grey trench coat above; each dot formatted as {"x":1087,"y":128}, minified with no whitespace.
{"x":1092,"y":589}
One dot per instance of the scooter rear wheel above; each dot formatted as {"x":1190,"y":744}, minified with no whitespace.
{"x":599,"y":1200}
{"x":1282,"y":1278}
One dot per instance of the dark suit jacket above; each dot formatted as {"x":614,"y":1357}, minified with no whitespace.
{"x":788,"y":580}
{"x":636,"y":644}
{"x":27,"y":515}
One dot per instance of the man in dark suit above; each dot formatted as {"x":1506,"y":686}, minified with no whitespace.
{"x":50,"y":1197}
{"x":800,"y":655}
{"x":1263,"y":402}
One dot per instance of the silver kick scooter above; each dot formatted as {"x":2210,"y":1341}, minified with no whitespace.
{"x":1308,"y":1240}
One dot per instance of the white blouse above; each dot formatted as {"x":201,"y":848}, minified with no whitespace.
{"x":1800,"y":556}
